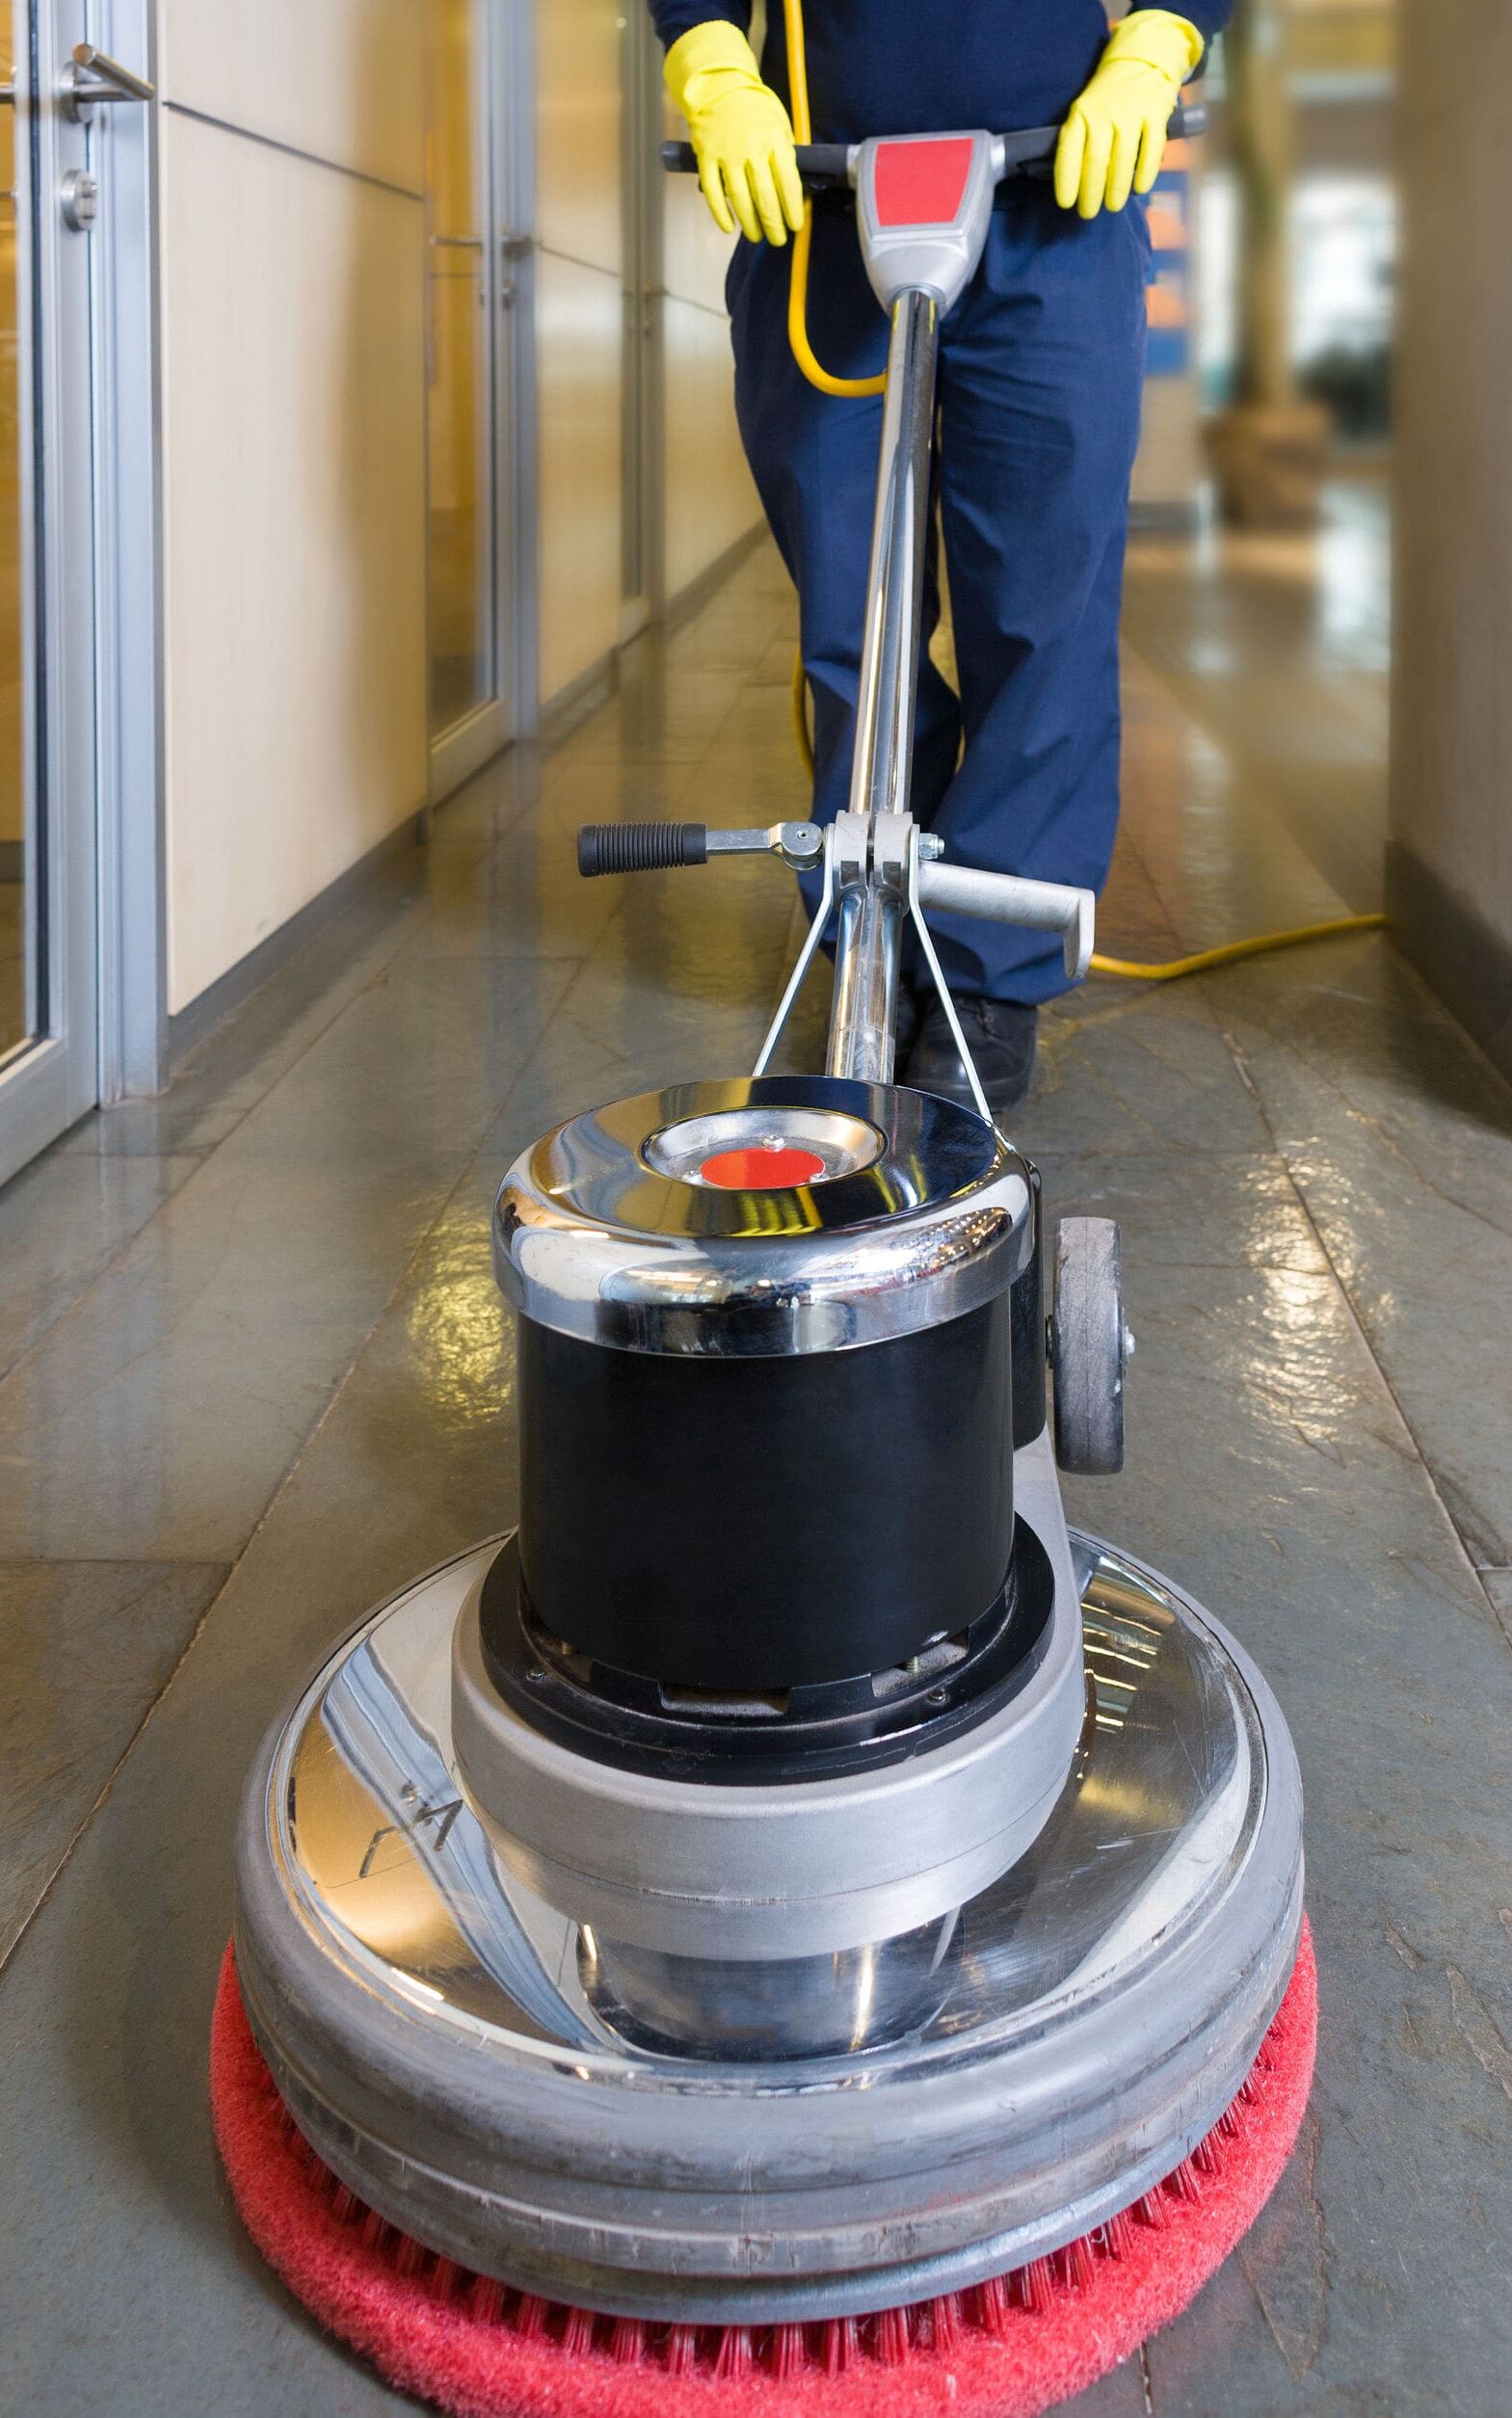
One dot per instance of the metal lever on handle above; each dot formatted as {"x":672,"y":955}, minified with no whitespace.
{"x":92,"y":77}
{"x":657,"y":847}
{"x":961,"y":890}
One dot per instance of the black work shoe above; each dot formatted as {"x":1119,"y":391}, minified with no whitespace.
{"x":1001,"y":1039}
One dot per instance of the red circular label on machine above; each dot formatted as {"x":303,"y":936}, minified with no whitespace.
{"x":765,"y":1169}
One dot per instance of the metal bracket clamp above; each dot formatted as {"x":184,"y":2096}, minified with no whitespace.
{"x":885,"y":862}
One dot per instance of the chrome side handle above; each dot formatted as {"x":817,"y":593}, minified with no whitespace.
{"x":92,"y":77}
{"x":961,"y":890}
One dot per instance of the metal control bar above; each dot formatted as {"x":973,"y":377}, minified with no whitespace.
{"x":824,"y":166}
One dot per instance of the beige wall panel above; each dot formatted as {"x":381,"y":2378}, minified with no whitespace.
{"x":695,"y":254}
{"x":294,"y":535}
{"x":342,"y":79}
{"x":711,"y":500}
{"x":579,"y":325}
{"x":578,"y":51}
{"x":1451,"y":737}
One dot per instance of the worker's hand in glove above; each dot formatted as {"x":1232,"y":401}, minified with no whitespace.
{"x":741,"y":133}
{"x":1111,"y":144}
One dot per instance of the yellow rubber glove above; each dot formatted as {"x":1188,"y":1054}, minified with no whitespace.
{"x":741,"y":132}
{"x":1113,"y":141}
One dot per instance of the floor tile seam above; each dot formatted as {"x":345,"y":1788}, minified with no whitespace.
{"x":268,"y":1511}
{"x":335,"y":1395}
{"x":198,"y":1158}
{"x":1219,"y":733}
{"x":681,"y":772}
{"x":83,"y":1300}
{"x":165,"y":1563}
{"x":326,"y":935}
{"x":1060,"y":1151}
{"x":1054,"y":1042}
{"x":743,"y":681}
{"x":1131,"y":992}
{"x":149,"y":1711}
{"x":494,"y":762}
{"x":1394,"y":1149}
{"x":1417,"y":1453}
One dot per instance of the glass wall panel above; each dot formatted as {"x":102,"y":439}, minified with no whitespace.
{"x":460,"y":338}
{"x":17,"y":892}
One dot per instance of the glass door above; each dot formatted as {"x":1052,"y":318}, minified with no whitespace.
{"x":48,"y":197}
{"x":470,"y":288}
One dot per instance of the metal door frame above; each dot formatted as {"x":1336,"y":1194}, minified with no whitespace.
{"x":53,"y":1078}
{"x":509,"y":255}
{"x":130,"y":668}
{"x":643,"y":582}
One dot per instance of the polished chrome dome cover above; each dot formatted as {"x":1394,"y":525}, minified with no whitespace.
{"x":607,"y":1230}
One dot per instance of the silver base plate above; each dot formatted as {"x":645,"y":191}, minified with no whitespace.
{"x":428,"y":2023}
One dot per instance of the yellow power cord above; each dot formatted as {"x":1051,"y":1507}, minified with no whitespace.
{"x":798,"y":287}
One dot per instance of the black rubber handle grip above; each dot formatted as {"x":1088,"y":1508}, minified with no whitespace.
{"x":819,"y":164}
{"x":640,"y":847}
{"x":824,"y":165}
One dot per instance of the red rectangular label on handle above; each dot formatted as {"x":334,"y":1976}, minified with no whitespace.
{"x":921,"y":181}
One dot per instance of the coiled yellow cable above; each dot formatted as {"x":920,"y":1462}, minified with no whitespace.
{"x":798,"y":285}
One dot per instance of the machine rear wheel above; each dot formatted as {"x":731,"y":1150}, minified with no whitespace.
{"x":1091,"y":1347}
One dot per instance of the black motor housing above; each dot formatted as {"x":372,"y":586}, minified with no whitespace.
{"x":753,"y":1525}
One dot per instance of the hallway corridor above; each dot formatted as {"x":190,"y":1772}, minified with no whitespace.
{"x":254,"y":1374}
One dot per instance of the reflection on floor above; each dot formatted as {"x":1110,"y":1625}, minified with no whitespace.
{"x":256,"y":1373}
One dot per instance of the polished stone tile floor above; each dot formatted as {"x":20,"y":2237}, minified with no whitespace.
{"x":253,"y":1373}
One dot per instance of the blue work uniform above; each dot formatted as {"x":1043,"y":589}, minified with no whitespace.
{"x":1040,"y":373}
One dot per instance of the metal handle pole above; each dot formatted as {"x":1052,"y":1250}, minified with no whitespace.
{"x":895,"y":583}
{"x":873,"y":857}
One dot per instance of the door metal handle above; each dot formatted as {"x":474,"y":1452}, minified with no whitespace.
{"x":90,"y":77}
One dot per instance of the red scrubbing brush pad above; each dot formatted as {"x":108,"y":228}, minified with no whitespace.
{"x":1007,"y":2349}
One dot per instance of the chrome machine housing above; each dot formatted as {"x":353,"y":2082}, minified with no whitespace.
{"x":446,"y":2042}
{"x":915,"y":1213}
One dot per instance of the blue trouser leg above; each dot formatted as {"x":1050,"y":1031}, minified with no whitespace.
{"x":1040,"y":377}
{"x":1042,"y":368}
{"x":814,"y":460}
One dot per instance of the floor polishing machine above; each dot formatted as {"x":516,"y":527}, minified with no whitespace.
{"x":793,"y":1916}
